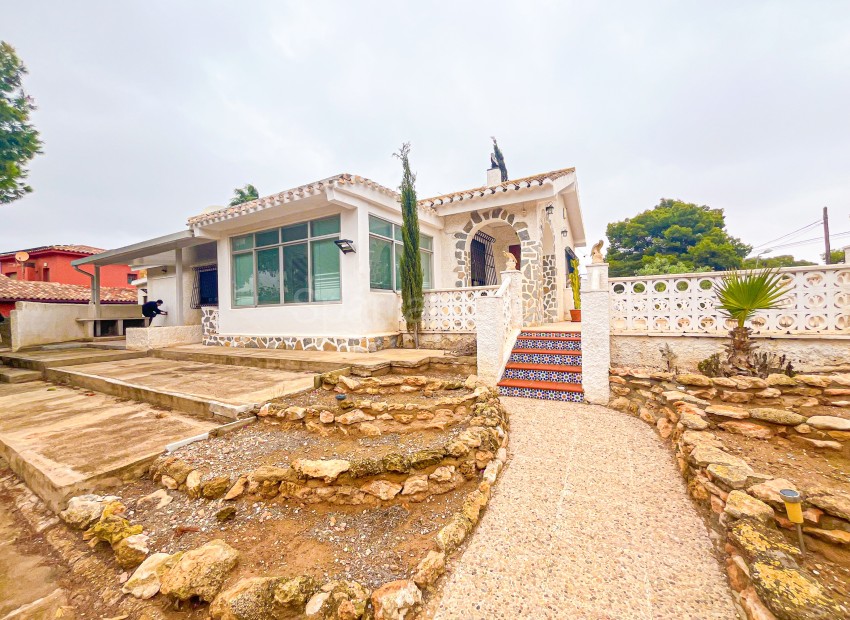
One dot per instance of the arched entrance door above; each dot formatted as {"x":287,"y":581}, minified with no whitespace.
{"x":487,"y":250}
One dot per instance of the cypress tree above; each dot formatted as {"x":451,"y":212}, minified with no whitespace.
{"x":412,"y":299}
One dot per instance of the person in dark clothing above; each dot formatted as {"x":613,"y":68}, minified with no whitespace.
{"x":151,"y":310}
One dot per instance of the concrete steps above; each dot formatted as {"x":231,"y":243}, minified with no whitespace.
{"x":197,"y":388}
{"x":42,"y":359}
{"x":18,"y":375}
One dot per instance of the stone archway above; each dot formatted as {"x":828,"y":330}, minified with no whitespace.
{"x":531,"y":256}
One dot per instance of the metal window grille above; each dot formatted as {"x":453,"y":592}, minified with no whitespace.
{"x":483,"y":265}
{"x":205,"y":286}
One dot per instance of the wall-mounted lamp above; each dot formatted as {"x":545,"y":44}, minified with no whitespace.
{"x":346,"y":246}
{"x":564,"y":233}
{"x":550,"y":210}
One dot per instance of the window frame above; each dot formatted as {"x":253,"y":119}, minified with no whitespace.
{"x":280,"y":245}
{"x":394,"y":244}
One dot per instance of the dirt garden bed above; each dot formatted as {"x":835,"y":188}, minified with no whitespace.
{"x":739,"y":441}
{"x":326,"y":507}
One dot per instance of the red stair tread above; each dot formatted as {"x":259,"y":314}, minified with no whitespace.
{"x":550,"y":331}
{"x":541,"y":385}
{"x":552,"y":367}
{"x":553,"y":338}
{"x":548,"y":351}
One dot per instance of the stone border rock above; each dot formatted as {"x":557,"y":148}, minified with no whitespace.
{"x":364,"y":481}
{"x":762,"y":568}
{"x":374,"y":418}
{"x":199,"y":574}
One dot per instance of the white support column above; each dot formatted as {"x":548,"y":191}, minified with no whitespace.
{"x":596,"y":335}
{"x":178,"y":277}
{"x":95,"y":291}
{"x":490,"y":337}
{"x":515,"y":293}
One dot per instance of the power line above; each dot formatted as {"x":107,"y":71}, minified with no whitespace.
{"x":809,"y":241}
{"x":799,"y":230}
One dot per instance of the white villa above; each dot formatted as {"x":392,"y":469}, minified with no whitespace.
{"x":316,"y":266}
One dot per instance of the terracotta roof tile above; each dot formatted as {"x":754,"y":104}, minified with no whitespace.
{"x":14,"y":290}
{"x":79,"y":249}
{"x":316,"y":187}
{"x":510,"y":185}
{"x":289,"y":195}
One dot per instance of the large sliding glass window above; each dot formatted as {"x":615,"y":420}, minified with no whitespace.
{"x":385,"y":248}
{"x":293,"y":264}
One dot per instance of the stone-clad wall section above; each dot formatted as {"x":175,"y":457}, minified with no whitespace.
{"x":365,"y":344}
{"x":531,"y":265}
{"x":550,"y":296}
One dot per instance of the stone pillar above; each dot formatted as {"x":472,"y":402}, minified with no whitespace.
{"x":596,"y":335}
{"x":515,"y":293}
{"x":847,"y":255}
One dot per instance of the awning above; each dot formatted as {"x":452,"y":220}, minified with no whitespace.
{"x":152,"y":253}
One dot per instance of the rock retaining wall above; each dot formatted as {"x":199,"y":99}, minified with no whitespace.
{"x":763,"y":568}
{"x":199,"y":575}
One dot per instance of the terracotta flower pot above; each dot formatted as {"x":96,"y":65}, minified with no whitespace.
{"x":575,"y":316}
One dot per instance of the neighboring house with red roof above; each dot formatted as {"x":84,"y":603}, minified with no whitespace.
{"x":12,"y":291}
{"x":52,"y":263}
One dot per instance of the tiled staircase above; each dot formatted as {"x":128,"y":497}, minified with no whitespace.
{"x":544,"y":365}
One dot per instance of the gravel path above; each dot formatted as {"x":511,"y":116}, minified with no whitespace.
{"x":590,"y":519}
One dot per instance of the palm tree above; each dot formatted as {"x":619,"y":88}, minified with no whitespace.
{"x":740,"y":296}
{"x":244,"y":194}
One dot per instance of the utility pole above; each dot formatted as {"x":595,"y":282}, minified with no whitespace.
{"x":826,"y":235}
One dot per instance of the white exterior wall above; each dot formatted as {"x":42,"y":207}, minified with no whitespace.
{"x":361,"y":311}
{"x":35,"y":323}
{"x":162,"y":285}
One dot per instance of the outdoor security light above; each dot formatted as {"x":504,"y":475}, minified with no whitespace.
{"x":794,"y":509}
{"x":564,"y":233}
{"x":346,"y":246}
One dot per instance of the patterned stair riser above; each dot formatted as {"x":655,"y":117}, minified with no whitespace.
{"x":550,"y":335}
{"x":551,"y":345}
{"x":575,"y":397}
{"x":557,"y":359}
{"x":543,"y":375}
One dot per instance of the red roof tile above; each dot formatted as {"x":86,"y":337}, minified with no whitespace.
{"x":77,"y":249}
{"x":14,"y":290}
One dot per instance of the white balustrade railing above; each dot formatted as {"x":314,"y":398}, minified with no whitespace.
{"x":451,"y":309}
{"x":817,"y":303}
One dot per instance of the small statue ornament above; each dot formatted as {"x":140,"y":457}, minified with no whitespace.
{"x":510,"y":261}
{"x":596,"y":253}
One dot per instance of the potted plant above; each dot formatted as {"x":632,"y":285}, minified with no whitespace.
{"x":575,"y":284}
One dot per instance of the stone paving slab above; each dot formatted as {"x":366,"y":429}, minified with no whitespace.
{"x":590,"y":519}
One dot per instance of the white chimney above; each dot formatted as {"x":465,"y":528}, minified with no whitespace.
{"x":494,"y":177}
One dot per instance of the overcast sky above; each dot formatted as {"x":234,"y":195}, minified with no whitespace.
{"x":151,"y":112}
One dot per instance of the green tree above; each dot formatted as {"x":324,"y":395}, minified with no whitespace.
{"x":685,"y":233}
{"x":412,"y":299}
{"x":19,"y":141}
{"x":664,"y":265}
{"x":783,"y":260}
{"x":244,"y":194}
{"x":836,"y":256}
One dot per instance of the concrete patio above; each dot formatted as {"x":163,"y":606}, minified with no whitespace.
{"x":64,"y":442}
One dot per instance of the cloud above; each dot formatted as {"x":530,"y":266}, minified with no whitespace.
{"x":150,"y":113}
